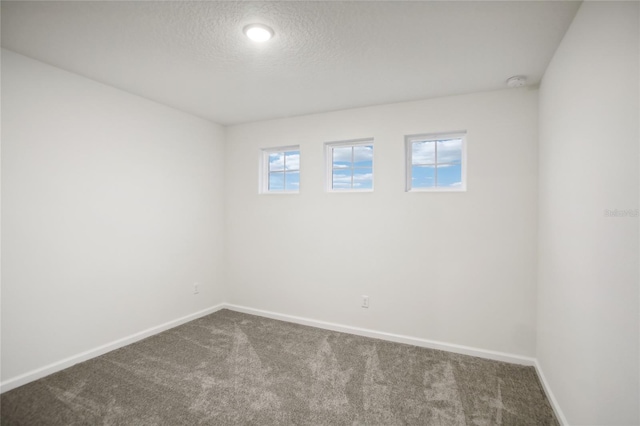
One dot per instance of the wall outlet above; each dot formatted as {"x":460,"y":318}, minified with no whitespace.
{"x":196,"y":288}
{"x":365,"y":301}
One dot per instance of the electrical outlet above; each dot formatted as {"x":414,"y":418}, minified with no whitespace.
{"x":365,"y":301}
{"x":196,"y":288}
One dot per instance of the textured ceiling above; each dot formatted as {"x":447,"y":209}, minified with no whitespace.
{"x":325,"y":55}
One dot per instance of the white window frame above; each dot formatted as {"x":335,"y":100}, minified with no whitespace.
{"x":426,"y":137}
{"x":328,"y":153}
{"x":263,"y":187}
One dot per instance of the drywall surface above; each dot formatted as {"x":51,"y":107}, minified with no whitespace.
{"x":588,"y":230}
{"x":112,"y":208}
{"x":452,"y":267}
{"x":194,"y":56}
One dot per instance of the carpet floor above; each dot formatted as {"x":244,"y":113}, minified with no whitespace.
{"x":230,"y":368}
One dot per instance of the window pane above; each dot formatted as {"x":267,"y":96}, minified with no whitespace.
{"x":363,"y":178}
{"x":341,"y":179}
{"x":276,"y":181}
{"x":363,"y":156}
{"x":276,"y":161}
{"x":450,"y":151}
{"x":449,"y":175}
{"x":292,"y":181}
{"x":292,"y":160}
{"x":423,"y":176}
{"x":423,"y":152}
{"x":342,"y":157}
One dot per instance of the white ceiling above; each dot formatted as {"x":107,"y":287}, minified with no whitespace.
{"x":325,"y":55}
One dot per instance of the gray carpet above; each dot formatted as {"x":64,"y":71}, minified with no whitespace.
{"x":230,"y":368}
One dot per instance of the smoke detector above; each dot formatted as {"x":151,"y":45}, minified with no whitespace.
{"x":517,"y":81}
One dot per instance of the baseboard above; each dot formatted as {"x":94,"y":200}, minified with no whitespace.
{"x":550,"y":396}
{"x":23,"y":379}
{"x":398,"y":338}
{"x":432,"y":344}
{"x":425,"y":343}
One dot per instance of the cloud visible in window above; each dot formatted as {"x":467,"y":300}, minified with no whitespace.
{"x":360,"y":154}
{"x":277,"y":160}
{"x":342,"y":180}
{"x":449,"y":151}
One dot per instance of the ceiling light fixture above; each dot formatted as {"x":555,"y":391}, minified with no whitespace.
{"x":517,"y":81}
{"x":258,"y":32}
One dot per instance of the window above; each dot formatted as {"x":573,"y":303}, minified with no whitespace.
{"x":280,"y":170}
{"x":436,"y":162}
{"x":350,"y":165}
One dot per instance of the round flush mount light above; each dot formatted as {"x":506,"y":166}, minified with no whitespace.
{"x":517,"y":81}
{"x":258,"y":32}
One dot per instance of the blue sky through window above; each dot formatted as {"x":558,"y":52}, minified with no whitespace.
{"x":352,"y":167}
{"x":284,"y":171}
{"x":436,"y":163}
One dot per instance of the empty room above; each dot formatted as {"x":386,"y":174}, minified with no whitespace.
{"x":320,"y":213}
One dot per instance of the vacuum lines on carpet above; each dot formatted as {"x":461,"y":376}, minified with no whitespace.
{"x":230,"y":368}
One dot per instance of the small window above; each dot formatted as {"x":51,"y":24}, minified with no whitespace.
{"x":436,"y":162}
{"x":280,"y":170}
{"x":350,"y":165}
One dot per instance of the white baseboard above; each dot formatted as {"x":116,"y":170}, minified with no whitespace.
{"x":398,"y":338}
{"x":550,"y":396}
{"x":416,"y":341}
{"x":425,"y":343}
{"x":100,"y":350}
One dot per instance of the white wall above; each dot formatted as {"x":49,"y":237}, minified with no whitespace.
{"x":453,"y":267}
{"x":112,"y":207}
{"x":588,"y":274}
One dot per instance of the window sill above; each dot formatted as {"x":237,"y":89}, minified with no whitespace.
{"x":279,"y":193}
{"x":437,"y":190}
